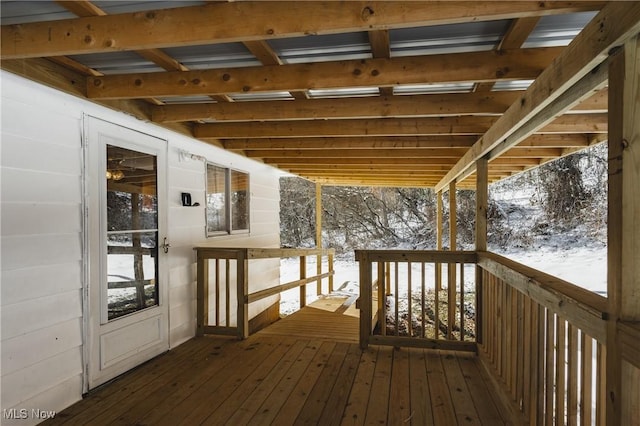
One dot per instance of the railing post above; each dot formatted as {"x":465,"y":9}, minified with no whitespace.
{"x":330,"y":272}
{"x":201,"y":295}
{"x":365,"y":298}
{"x":382,"y":298}
{"x":303,"y":275}
{"x":482,"y":202}
{"x":242,"y":282}
{"x":453,"y":232}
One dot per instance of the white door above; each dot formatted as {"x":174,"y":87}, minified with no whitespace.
{"x":126,"y":298}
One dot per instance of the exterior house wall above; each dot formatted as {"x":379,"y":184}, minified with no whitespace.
{"x":42,"y":238}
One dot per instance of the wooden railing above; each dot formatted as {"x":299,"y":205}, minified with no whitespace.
{"x":417,"y":298}
{"x":541,"y":339}
{"x":544,"y":339}
{"x":223,"y":288}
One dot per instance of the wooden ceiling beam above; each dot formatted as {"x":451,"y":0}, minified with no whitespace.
{"x":577,"y":123}
{"x":218,"y":23}
{"x":444,"y":141}
{"x":380,"y":48}
{"x":359,"y":153}
{"x":444,"y":68}
{"x":516,"y":35}
{"x":436,"y":105}
{"x":616,"y":22}
{"x":555,"y":140}
{"x":406,"y":161}
{"x":464,"y":125}
{"x":467,"y":125}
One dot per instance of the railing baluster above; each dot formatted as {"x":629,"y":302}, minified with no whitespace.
{"x":409,"y":301}
{"x":217,"y":275}
{"x":572,"y":376}
{"x":586,"y":369}
{"x":561,"y":344}
{"x":451,"y":300}
{"x":227,"y":293}
{"x":303,"y":275}
{"x":436,"y":302}
{"x":396,"y":298}
{"x":601,"y":385}
{"x":422,"y":298}
{"x":462,"y":302}
{"x":550,"y":369}
{"x":382,"y":299}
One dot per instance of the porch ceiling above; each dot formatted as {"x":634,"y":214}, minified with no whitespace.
{"x":364,"y":93}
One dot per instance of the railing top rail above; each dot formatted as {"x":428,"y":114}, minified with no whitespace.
{"x":221,"y":252}
{"x":259,"y":253}
{"x":268,"y":253}
{"x":579,"y":306}
{"x":581,"y":295}
{"x":430,"y":256}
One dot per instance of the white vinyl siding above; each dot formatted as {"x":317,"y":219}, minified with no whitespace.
{"x":42,"y":238}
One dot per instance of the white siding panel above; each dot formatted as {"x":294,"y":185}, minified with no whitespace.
{"x":37,"y":250}
{"x":29,"y":186}
{"x":29,"y":382}
{"x":180,"y":334}
{"x":43,"y":156}
{"x":188,"y":179}
{"x":19,"y":285}
{"x":56,"y":398}
{"x":28,"y":349}
{"x":41,"y":190}
{"x":35,"y":218}
{"x":36,"y":314}
{"x":27,"y":120}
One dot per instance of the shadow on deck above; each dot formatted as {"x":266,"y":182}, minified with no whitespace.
{"x":304,"y":369}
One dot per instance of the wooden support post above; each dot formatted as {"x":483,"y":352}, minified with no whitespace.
{"x":438,"y":240}
{"x":623,"y":224}
{"x":303,"y":275}
{"x":319,"y":235}
{"x":453,"y":232}
{"x":482,"y":202}
{"x":365,"y":298}
{"x":200,"y":293}
{"x":242,"y":283}
{"x":330,"y":260}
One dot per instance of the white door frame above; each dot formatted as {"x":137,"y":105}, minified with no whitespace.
{"x":113,"y":347}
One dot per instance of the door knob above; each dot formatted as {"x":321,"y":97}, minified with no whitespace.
{"x":165,"y":245}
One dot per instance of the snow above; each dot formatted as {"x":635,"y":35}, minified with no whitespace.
{"x":585,"y":267}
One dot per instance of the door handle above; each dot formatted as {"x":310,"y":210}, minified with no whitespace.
{"x":165,"y":245}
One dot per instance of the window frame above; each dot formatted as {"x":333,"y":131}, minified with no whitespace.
{"x":228,"y":205}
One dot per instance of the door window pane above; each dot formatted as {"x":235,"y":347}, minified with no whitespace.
{"x":216,"y":199}
{"x":132,"y":231}
{"x":239,"y":201}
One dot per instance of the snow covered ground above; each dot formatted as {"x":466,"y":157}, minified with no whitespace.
{"x":585,"y":267}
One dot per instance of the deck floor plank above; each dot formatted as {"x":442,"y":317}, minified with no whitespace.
{"x":443,"y":411}
{"x":314,"y":406}
{"x":356,"y":408}
{"x":107,"y":399}
{"x":300,"y":393}
{"x":485,"y":405}
{"x":337,"y":400}
{"x":278,"y":397}
{"x":460,"y":396}
{"x":399,"y":398}
{"x":310,"y":370}
{"x":378,"y":406}
{"x":421,"y":413}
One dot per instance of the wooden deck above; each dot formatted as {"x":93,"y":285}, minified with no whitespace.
{"x":292,"y":374}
